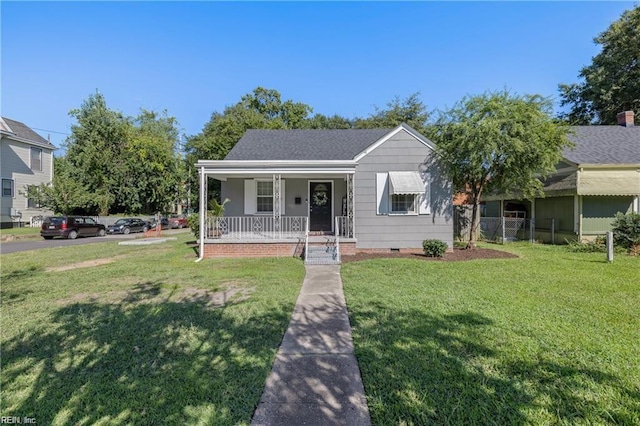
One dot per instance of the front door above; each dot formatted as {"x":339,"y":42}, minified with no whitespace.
{"x":320,"y":206}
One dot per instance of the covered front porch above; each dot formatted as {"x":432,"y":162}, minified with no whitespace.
{"x":278,"y":208}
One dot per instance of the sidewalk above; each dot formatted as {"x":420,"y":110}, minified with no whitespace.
{"x":315,"y":379}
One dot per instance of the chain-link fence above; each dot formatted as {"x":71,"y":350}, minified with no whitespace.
{"x":505,"y":229}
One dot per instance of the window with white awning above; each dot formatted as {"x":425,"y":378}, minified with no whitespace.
{"x":402,"y":193}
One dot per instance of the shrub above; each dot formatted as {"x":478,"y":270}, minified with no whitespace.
{"x":193,"y":220}
{"x":599,"y":245}
{"x":626,"y":231}
{"x":434,"y":248}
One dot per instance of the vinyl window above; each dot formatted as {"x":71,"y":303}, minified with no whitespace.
{"x":403,"y":203}
{"x":264,"y":195}
{"x":7,"y":187}
{"x":36,"y":159}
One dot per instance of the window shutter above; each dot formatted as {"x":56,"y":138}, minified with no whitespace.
{"x":425,"y":199}
{"x":250,"y":197}
{"x":382,"y":193}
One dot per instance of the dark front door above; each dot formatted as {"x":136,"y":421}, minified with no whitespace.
{"x":320,"y":206}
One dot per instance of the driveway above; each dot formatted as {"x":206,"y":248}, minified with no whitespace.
{"x":36,"y":244}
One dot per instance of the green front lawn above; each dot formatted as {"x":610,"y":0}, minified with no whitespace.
{"x":151,"y":338}
{"x":18,"y":232}
{"x":549,"y":338}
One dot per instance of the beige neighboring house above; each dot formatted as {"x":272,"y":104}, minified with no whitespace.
{"x":26,"y":158}
{"x":596,"y":179}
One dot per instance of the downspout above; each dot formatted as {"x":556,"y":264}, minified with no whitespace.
{"x":202,"y":212}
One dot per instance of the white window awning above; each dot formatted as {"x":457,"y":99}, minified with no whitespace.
{"x":405,"y":183}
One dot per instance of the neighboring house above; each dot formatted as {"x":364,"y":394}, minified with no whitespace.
{"x":597,"y":178}
{"x":26,"y":158}
{"x":369,"y":189}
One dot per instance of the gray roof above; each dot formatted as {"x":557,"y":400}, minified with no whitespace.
{"x":22,"y":131}
{"x":317,"y":144}
{"x":604,"y":145}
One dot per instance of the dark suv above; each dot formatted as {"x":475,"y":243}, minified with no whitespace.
{"x":71,"y":227}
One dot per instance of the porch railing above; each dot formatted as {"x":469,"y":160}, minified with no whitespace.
{"x":344,"y":227}
{"x":256,"y":227}
{"x":338,"y":238}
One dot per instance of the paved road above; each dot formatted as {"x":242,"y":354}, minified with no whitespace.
{"x":17,"y":246}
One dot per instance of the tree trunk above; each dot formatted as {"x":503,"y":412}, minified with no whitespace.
{"x":475,"y":221}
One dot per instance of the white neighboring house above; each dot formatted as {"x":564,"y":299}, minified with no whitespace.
{"x":26,"y":158}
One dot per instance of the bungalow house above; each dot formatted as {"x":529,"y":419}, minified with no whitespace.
{"x":597,"y":178}
{"x":323,"y":193}
{"x":26,"y":158}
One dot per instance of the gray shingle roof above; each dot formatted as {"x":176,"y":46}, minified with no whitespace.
{"x":604,"y":145}
{"x":23,"y":131}
{"x":317,"y":144}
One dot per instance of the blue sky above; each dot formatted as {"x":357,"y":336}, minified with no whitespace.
{"x":194,"y":58}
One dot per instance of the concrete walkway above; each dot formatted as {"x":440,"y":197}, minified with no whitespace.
{"x":315,"y":379}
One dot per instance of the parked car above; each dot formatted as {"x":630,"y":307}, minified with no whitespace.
{"x":178,"y":221}
{"x":164,"y":223}
{"x":128,"y":225}
{"x":71,"y":227}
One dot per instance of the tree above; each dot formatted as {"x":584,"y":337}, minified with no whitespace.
{"x":66,"y":194}
{"x":149,"y":174}
{"x":260,"y":109}
{"x":95,"y":143}
{"x":498,"y":142}
{"x":320,"y":121}
{"x":410,"y":111}
{"x":611,"y":84}
{"x":127,"y":164}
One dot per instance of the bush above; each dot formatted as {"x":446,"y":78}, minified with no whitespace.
{"x":626,"y":231}
{"x":599,"y":245}
{"x":193,"y":220}
{"x":434,"y":248}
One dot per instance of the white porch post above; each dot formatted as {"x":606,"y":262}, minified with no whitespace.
{"x":202,"y":210}
{"x":277,"y":228}
{"x":350,"y":207}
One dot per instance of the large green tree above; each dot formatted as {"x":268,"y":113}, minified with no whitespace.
{"x":611,"y":83}
{"x":498,"y":142}
{"x":128,"y":164}
{"x":410,"y":110}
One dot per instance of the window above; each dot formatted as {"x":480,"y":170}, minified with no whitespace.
{"x":259,"y":196}
{"x":264,"y":192}
{"x":32,"y":203}
{"x":7,"y":187}
{"x":403,"y":193}
{"x":403,"y":203}
{"x":36,"y":159}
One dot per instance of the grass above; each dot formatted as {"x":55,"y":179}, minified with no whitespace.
{"x":26,"y":231}
{"x":150,"y":338}
{"x":548,"y":338}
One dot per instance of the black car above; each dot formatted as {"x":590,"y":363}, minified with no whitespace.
{"x":128,"y":225}
{"x":71,"y":227}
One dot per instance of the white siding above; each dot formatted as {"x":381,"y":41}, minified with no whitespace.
{"x":15,"y":160}
{"x":402,"y":152}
